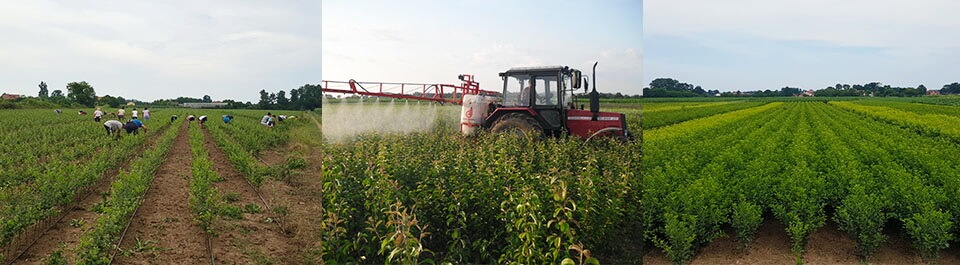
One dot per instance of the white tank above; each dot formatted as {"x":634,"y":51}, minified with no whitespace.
{"x":473,"y":112}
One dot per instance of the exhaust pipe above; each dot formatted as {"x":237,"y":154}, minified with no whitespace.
{"x":594,"y":96}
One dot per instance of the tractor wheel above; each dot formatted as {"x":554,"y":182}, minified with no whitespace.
{"x":518,"y":123}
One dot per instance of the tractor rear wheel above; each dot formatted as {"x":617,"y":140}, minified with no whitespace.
{"x":518,"y":123}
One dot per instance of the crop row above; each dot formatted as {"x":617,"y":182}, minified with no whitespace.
{"x":56,"y":183}
{"x":655,"y":119}
{"x":436,"y":196}
{"x":918,"y":108}
{"x":241,"y":158}
{"x":795,"y":161}
{"x":696,"y":125}
{"x":204,"y":198}
{"x":126,"y":194}
{"x":932,"y":124}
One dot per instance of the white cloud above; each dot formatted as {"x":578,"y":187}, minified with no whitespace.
{"x":500,"y":54}
{"x":632,"y":53}
{"x":163,"y":49}
{"x":869,"y":23}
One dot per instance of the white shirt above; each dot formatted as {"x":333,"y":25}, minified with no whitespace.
{"x":203,"y":117}
{"x":120,"y":112}
{"x":146,"y":112}
{"x":134,"y":113}
{"x":266,"y":118}
{"x":97,"y":113}
{"x":113,"y":125}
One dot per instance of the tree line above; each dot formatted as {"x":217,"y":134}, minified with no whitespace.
{"x":82,"y":94}
{"x":669,"y":87}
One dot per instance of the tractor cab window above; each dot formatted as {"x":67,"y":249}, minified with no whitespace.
{"x":546,"y":90}
{"x":516,"y":91}
{"x":523,"y":90}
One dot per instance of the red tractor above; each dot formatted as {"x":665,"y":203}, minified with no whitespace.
{"x":535,"y":100}
{"x":539,"y":100}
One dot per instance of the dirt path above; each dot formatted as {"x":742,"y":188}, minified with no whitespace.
{"x":80,"y":216}
{"x":254,"y":239}
{"x":164,"y":231}
{"x":302,"y":194}
{"x":827,"y":245}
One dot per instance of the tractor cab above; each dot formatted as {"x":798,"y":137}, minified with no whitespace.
{"x":539,"y":100}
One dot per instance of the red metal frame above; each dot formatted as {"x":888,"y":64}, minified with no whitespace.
{"x":429,"y":92}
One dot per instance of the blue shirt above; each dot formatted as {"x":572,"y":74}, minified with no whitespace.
{"x":138,"y":122}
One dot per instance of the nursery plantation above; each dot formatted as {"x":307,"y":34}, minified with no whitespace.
{"x":173,"y":193}
{"x":876,"y":170}
{"x":785,"y":180}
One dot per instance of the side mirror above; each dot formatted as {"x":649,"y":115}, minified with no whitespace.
{"x":576,"y":79}
{"x":586,"y":85}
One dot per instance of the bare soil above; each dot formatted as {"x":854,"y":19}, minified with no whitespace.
{"x":301,"y":195}
{"x":79,"y":218}
{"x":163,"y":230}
{"x":254,"y":239}
{"x":827,"y":245}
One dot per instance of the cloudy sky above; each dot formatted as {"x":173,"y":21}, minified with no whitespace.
{"x":761,"y":44}
{"x":434,"y":41}
{"x":160,"y":49}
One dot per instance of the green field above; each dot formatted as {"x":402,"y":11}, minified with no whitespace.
{"x":437,"y":196}
{"x":64,"y":172}
{"x":870,"y":166}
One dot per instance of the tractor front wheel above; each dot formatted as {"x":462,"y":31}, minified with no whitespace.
{"x":518,"y":123}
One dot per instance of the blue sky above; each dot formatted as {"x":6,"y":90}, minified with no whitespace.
{"x":756,"y":44}
{"x":162,"y":49}
{"x":435,"y":41}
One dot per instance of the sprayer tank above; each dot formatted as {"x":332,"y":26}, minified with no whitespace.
{"x":473,"y":112}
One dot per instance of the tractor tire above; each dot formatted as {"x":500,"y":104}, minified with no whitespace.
{"x":518,"y":123}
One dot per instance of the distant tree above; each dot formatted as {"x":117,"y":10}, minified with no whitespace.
{"x":310,"y":96}
{"x":188,"y":100}
{"x":282,"y":101}
{"x":264,"y":99}
{"x":790,"y":91}
{"x":952,"y":88}
{"x":81,"y":93}
{"x":207,"y":99}
{"x":664,"y":83}
{"x":56,"y":94}
{"x":44,"y":93}
{"x":109,"y":101}
{"x":232,"y":104}
{"x":699,"y":90}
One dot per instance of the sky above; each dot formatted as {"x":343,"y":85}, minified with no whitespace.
{"x":760,"y":44}
{"x":433,"y":42}
{"x":149,"y":50}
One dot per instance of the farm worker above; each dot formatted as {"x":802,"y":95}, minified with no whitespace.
{"x":203,"y":119}
{"x":81,"y":112}
{"x":139,"y":124}
{"x":271,"y":121}
{"x":265,"y":120}
{"x":131,"y":127}
{"x":281,"y":118}
{"x":134,"y":113}
{"x":227,"y":118}
{"x":58,"y":111}
{"x":113,"y":126}
{"x":190,"y":119}
{"x":173,"y":118}
{"x":146,"y":114}
{"x":120,"y":113}
{"x":97,"y":114}
{"x":525,"y":93}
